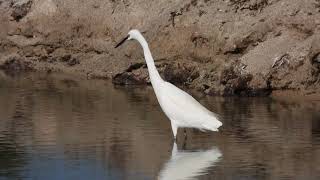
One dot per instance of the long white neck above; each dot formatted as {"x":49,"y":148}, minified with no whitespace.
{"x":153,"y":72}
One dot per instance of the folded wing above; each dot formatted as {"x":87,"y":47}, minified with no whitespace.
{"x":185,"y":110}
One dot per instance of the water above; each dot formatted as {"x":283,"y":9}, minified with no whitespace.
{"x":58,"y":127}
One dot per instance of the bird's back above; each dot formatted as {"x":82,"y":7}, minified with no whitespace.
{"x":184,"y":110}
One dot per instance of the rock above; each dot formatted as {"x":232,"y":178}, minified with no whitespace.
{"x":15,"y":64}
{"x":20,"y":9}
{"x":227,"y":74}
{"x":234,"y":81}
{"x":316,"y":58}
{"x":68,"y":59}
{"x":73,"y":61}
{"x":65,"y":58}
{"x":180,"y":74}
{"x":128,"y":78}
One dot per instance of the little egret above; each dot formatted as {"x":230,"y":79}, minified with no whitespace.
{"x":181,"y":108}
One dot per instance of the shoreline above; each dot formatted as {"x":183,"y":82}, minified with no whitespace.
{"x":288,"y":96}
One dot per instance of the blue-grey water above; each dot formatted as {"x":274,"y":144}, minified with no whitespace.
{"x":54,"y":126}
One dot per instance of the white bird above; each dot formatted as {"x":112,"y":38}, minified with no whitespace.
{"x":181,"y":108}
{"x":185,"y":165}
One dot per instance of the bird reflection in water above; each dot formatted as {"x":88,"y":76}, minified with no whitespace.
{"x":187,"y":165}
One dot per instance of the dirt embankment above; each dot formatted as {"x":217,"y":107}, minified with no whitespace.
{"x":227,"y":47}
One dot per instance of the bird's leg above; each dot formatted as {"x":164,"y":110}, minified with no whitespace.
{"x":185,"y":138}
{"x":184,"y":145}
{"x":174,"y":130}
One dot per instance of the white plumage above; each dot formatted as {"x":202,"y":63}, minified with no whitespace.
{"x":181,"y":108}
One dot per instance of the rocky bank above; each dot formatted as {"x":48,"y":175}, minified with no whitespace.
{"x":219,"y":47}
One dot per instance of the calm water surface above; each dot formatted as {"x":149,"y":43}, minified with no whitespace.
{"x":53,"y":127}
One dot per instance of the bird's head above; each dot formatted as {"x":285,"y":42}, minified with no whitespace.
{"x":133,"y":34}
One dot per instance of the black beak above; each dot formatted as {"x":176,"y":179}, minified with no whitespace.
{"x":122,"y":41}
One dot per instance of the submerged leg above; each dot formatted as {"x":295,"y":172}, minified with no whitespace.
{"x":185,"y":133}
{"x":174,"y":130}
{"x":185,"y":139}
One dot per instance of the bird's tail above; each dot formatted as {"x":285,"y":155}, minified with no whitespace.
{"x":212,"y":125}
